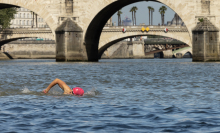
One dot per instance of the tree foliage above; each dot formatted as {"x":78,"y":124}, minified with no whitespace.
{"x":133,"y":10}
{"x":119,"y":17}
{"x":6,"y":15}
{"x":149,"y":8}
{"x":162,"y":11}
{"x":152,"y":10}
{"x":200,"y":19}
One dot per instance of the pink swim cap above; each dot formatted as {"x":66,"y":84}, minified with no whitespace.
{"x":78,"y":91}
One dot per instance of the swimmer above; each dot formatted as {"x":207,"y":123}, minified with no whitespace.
{"x":65,"y":88}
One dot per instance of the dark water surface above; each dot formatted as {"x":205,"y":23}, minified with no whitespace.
{"x":158,"y":95}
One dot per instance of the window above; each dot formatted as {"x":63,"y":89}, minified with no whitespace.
{"x":24,"y":15}
{"x":16,"y":21}
{"x":19,"y":15}
{"x":28,"y":15}
{"x":20,"y":22}
{"x":42,"y":20}
{"x":27,"y":22}
{"x":31,"y":22}
{"x":23,"y":23}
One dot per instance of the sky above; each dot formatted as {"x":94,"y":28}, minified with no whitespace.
{"x":142,"y":14}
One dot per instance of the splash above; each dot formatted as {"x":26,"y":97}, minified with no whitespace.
{"x":25,"y":90}
{"x":92,"y":92}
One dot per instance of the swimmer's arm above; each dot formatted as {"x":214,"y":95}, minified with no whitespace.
{"x":56,"y":81}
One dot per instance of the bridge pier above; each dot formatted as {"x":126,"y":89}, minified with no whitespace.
{"x":69,"y":42}
{"x":147,"y":50}
{"x":138,"y":49}
{"x":205,"y":42}
{"x":168,"y":54}
{"x":3,"y":56}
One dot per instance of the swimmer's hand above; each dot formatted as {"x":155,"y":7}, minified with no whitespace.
{"x":44,"y":91}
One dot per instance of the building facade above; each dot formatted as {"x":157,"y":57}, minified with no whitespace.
{"x":127,"y":22}
{"x":27,"y":19}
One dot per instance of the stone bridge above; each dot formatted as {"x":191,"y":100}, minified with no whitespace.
{"x":9,"y":35}
{"x":87,"y":22}
{"x":183,"y":51}
{"x":109,"y":36}
{"x":112,"y":35}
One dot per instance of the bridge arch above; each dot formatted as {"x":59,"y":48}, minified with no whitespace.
{"x":112,"y":38}
{"x":161,"y":54}
{"x":14,"y":37}
{"x":190,"y":54}
{"x":36,"y":6}
{"x":183,"y":51}
{"x":98,"y":19}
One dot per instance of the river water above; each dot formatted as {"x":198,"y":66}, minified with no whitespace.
{"x":136,"y":95}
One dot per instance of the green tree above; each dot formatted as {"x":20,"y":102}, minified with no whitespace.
{"x":6,"y":15}
{"x":149,"y":8}
{"x":200,"y":19}
{"x":152,"y":10}
{"x":119,"y":17}
{"x":132,"y":11}
{"x":162,"y":11}
{"x":135,"y":9}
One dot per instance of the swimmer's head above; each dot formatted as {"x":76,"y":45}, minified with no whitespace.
{"x":78,"y":91}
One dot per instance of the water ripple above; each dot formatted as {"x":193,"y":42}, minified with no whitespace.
{"x":173,"y":95}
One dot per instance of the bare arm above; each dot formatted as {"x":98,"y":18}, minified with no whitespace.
{"x":61,"y":84}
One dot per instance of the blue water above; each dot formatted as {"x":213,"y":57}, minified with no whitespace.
{"x":136,"y":95}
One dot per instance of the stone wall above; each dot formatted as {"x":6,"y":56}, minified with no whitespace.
{"x":3,"y":56}
{"x":46,"y":50}
{"x":127,"y":50}
{"x":30,"y":51}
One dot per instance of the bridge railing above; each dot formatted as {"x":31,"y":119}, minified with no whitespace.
{"x":140,"y":26}
{"x":29,"y":28}
{"x":25,"y":30}
{"x":33,"y":42}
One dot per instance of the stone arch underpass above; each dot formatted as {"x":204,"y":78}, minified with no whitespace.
{"x":15,"y":34}
{"x":105,"y":9}
{"x":108,"y":39}
{"x":183,"y":51}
